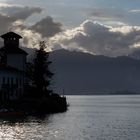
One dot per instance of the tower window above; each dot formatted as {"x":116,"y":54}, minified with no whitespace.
{"x":3,"y":80}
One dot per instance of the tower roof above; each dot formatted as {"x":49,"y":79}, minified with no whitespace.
{"x":10,"y":35}
{"x":13,"y":50}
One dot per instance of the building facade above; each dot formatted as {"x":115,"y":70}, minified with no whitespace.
{"x":12,"y":67}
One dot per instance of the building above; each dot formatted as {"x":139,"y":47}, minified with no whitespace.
{"x":12,"y":67}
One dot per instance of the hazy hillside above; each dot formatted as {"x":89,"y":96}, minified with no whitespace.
{"x":80,"y":73}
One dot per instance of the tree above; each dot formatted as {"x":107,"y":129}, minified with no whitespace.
{"x":41,"y":75}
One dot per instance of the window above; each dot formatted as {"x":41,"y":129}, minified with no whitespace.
{"x":12,"y":81}
{"x":17,"y":82}
{"x":20,"y":81}
{"x":8,"y":81}
{"x":3,"y":80}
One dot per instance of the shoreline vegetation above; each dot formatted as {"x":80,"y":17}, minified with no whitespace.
{"x":31,"y":105}
{"x":38,"y":98}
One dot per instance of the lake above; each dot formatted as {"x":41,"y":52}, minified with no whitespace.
{"x":88,"y":118}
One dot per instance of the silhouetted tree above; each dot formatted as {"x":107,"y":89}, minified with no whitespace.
{"x":39,"y":72}
{"x":2,"y":58}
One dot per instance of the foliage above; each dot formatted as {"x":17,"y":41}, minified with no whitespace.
{"x":38,"y":71}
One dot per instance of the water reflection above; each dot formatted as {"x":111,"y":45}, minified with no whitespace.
{"x":22,"y":128}
{"x":88,"y":118}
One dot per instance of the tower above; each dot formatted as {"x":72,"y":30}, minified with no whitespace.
{"x":14,"y":56}
{"x":12,"y":67}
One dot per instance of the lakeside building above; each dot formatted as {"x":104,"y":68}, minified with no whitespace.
{"x":12,"y":67}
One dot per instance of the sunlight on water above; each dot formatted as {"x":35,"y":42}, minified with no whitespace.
{"x":88,"y":118}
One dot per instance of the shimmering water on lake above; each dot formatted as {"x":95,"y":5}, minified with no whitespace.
{"x":88,"y":118}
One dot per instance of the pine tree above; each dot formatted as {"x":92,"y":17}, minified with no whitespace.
{"x":41,"y":74}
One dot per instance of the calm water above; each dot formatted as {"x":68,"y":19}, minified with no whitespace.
{"x":88,"y":118}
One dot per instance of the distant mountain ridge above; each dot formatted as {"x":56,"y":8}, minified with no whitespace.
{"x":83,"y":73}
{"x":135,"y":54}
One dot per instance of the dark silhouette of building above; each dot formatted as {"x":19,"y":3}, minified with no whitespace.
{"x":12,"y":67}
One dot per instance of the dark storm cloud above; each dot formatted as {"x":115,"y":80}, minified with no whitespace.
{"x":14,"y":14}
{"x":5,"y":22}
{"x":25,"y":12}
{"x":14,"y":18}
{"x":47,"y":27}
{"x":19,"y":12}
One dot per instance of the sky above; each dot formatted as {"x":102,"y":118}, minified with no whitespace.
{"x":99,"y":27}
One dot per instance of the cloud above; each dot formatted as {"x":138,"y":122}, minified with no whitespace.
{"x":135,"y":11}
{"x":11,"y":14}
{"x":14,"y":20}
{"x":13,"y":17}
{"x":91,"y":36}
{"x":113,"y":15}
{"x":5,"y":5}
{"x":41,"y":30}
{"x":19,"y":12}
{"x":106,"y":13}
{"x":25,"y":12}
{"x":99,"y":39}
{"x":5,"y":22}
{"x":30,"y":39}
{"x":47,"y":27}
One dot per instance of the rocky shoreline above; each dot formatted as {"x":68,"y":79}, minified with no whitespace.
{"x":36,"y":106}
